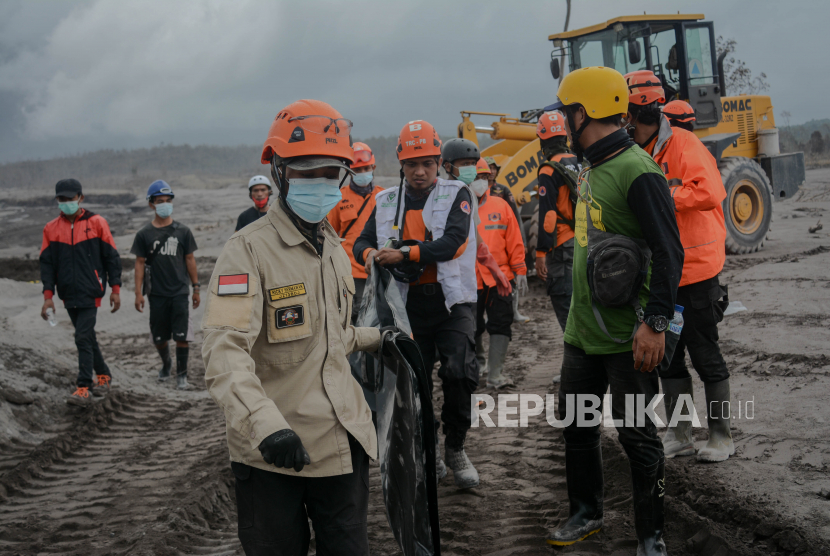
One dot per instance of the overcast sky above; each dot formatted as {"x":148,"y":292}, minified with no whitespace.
{"x":83,"y":75}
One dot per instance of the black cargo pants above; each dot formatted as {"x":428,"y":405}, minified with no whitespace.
{"x":451,"y":334}
{"x":702,"y":311}
{"x":593,"y":374}
{"x":89,"y":353}
{"x":273,"y":510}
{"x":560,"y":264}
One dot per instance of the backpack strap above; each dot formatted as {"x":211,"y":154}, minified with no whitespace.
{"x":570,"y":179}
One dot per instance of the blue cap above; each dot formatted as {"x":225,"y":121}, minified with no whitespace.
{"x":159,"y":187}
{"x":678,"y":308}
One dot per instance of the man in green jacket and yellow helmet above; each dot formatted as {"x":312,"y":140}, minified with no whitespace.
{"x":625,"y":193}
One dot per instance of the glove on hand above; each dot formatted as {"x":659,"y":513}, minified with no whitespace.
{"x":521,"y":285}
{"x":484,"y":257}
{"x":284,"y":449}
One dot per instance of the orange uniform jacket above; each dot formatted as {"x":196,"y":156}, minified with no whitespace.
{"x":348,"y":224}
{"x":698,"y":193}
{"x":552,"y":184}
{"x":500,"y":231}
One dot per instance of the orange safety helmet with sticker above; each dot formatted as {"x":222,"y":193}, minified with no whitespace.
{"x":679,"y":111}
{"x":418,"y":138}
{"x":482,"y":167}
{"x":363,"y":155}
{"x":551,"y":124}
{"x":644,"y":87}
{"x":309,"y":128}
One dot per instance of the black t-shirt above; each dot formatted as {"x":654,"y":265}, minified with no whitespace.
{"x":248,"y":216}
{"x":169,"y":269}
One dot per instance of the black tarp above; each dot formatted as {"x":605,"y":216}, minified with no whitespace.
{"x":397,"y":388}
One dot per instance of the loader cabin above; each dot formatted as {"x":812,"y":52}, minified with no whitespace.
{"x":679,"y":49}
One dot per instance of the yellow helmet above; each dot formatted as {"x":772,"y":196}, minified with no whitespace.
{"x":602,"y":91}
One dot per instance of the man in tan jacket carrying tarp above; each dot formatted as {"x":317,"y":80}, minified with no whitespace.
{"x":277,"y":333}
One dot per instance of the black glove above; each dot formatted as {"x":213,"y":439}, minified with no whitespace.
{"x":284,"y":449}
{"x":383,"y":332}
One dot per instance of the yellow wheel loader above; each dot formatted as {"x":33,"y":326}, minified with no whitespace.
{"x":739,"y":131}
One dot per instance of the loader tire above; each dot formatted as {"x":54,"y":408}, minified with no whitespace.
{"x":747,"y":208}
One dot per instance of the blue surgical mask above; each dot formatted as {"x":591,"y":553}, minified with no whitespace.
{"x":313,"y":198}
{"x":362,"y":180}
{"x":467,"y":174}
{"x":69,"y":208}
{"x":164,"y":209}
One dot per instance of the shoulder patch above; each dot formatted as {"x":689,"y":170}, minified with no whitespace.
{"x":233,"y":284}
{"x":465,"y":207}
{"x":542,"y":191}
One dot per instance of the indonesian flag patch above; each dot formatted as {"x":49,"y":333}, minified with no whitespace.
{"x":233,"y":284}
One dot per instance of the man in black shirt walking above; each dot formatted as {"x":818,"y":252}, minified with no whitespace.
{"x":259,"y":190}
{"x":165,"y":266}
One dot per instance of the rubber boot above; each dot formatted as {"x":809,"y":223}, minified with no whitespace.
{"x":517,"y":316}
{"x":498,"y":353}
{"x":678,"y":440}
{"x":720,"y":445}
{"x":181,"y":368}
{"x":481,"y":357}
{"x":463,"y":472}
{"x":583,"y":470}
{"x":167,"y":363}
{"x":649,"y":487}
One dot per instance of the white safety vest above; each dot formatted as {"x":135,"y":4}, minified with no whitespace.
{"x":457,"y":276}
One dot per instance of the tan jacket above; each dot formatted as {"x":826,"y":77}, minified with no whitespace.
{"x":277,"y":333}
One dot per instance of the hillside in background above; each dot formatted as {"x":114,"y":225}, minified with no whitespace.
{"x":211,"y":167}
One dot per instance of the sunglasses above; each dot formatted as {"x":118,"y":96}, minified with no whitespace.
{"x":321,"y":125}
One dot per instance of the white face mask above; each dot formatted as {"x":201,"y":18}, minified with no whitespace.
{"x":479,"y":187}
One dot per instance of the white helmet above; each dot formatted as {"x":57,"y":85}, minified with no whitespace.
{"x":259,"y":180}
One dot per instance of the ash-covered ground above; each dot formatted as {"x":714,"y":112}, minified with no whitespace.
{"x":145,"y":471}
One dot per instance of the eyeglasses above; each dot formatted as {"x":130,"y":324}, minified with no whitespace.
{"x":322,"y":124}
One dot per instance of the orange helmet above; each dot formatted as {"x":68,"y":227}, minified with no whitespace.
{"x":309,"y":128}
{"x":363,"y":155}
{"x":482,"y":167}
{"x":679,"y":111}
{"x":644,"y":87}
{"x":551,"y":124}
{"x":418,"y":138}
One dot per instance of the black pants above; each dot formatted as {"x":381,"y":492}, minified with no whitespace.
{"x":451,"y":333}
{"x":592,"y":374}
{"x":560,"y":263}
{"x":89,"y":353}
{"x":359,"y":286}
{"x":702,"y":311}
{"x":273,"y":510}
{"x":499,"y":309}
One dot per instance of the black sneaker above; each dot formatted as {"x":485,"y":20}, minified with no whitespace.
{"x":102,"y":387}
{"x":164,"y":373}
{"x":82,"y":397}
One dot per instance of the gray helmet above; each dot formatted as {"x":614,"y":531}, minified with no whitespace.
{"x":458,"y":148}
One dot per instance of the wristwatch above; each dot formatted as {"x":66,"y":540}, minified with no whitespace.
{"x":196,"y":286}
{"x":405,"y":252}
{"x":658,"y":323}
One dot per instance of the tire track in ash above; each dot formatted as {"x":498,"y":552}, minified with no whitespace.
{"x":144,"y":475}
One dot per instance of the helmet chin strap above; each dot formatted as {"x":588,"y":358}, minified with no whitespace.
{"x":575,"y":135}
